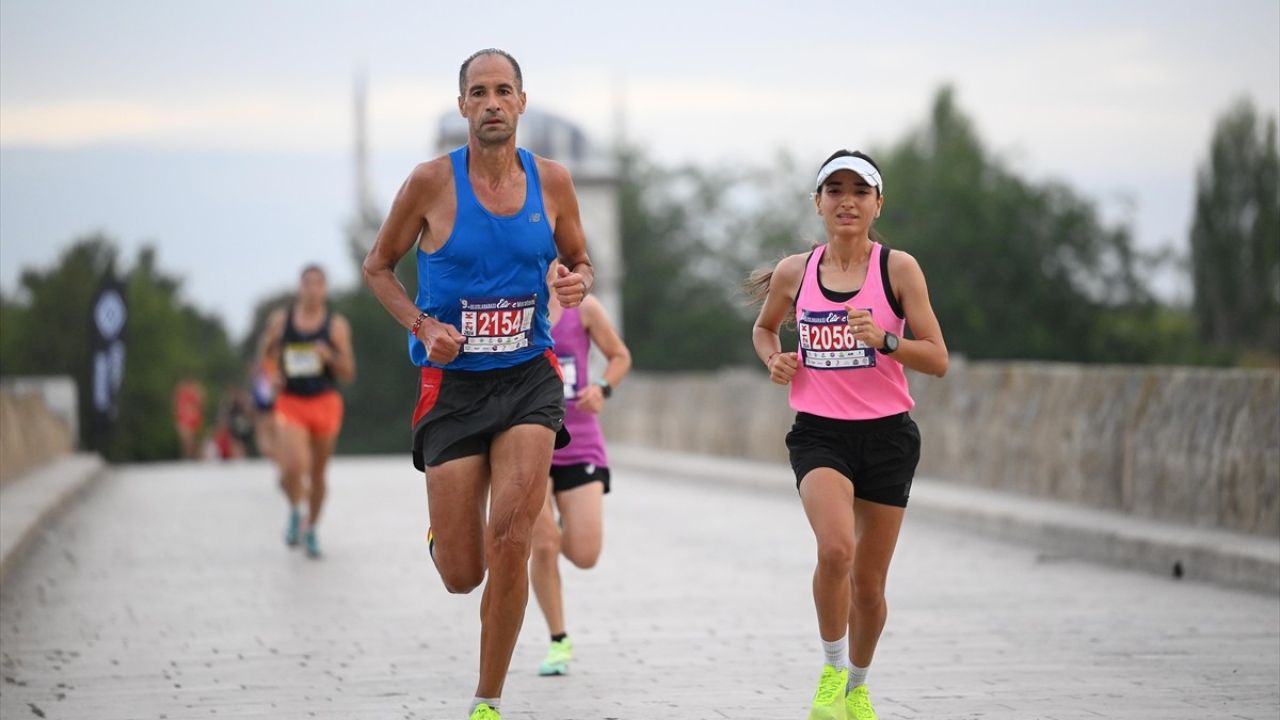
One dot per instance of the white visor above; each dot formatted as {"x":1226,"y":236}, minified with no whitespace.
{"x":856,"y":164}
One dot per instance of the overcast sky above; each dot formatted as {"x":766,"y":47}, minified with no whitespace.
{"x":221,"y":131}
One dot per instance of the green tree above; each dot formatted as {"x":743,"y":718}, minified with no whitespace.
{"x":46,"y":331}
{"x":1235,"y":236}
{"x":1016,"y":269}
{"x":166,"y":339}
{"x":46,"y":327}
{"x":680,"y":306}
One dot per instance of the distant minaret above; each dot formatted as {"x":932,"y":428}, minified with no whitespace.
{"x":364,"y":226}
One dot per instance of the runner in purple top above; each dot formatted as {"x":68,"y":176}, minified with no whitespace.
{"x":580,"y":470}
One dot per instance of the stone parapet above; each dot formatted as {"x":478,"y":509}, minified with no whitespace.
{"x":31,"y":433}
{"x":1194,"y":446}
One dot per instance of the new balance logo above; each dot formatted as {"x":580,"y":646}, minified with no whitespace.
{"x":536,"y":217}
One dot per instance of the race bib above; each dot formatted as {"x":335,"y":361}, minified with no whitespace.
{"x":301,"y":360}
{"x":497,"y":325}
{"x":569,"y":366}
{"x":827,"y":343}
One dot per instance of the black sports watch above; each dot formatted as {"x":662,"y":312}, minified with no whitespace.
{"x":890,"y":343}
{"x":605,"y":388}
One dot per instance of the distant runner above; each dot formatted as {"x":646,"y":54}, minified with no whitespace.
{"x":579,"y":471}
{"x":312,"y":345}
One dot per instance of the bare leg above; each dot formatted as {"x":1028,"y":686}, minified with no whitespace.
{"x":828,"y":503}
{"x":582,"y":515}
{"x":520,"y":460}
{"x":877,"y":536}
{"x":321,"y":450}
{"x":264,"y":433}
{"x":190,"y":444}
{"x":544,"y":568}
{"x":456,"y":491}
{"x":293,"y":454}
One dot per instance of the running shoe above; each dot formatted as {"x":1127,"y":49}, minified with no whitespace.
{"x":558,"y":657}
{"x":857,"y":704}
{"x":484,"y":712}
{"x":829,"y":702}
{"x":312,"y":545}
{"x":292,"y":532}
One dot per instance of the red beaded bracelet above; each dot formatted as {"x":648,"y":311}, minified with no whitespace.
{"x":417,"y":323}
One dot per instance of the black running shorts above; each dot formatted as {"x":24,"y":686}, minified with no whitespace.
{"x":878,"y":456}
{"x":459,"y":412}
{"x":568,"y":477}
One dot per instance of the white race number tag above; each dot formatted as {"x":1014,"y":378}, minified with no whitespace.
{"x":301,"y":360}
{"x":496,"y":325}
{"x":569,"y":366}
{"x":827,"y":343}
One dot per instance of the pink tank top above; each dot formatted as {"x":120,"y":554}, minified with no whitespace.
{"x":573,"y":347}
{"x":838,"y":377}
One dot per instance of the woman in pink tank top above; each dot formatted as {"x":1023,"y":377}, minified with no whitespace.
{"x":853,"y":446}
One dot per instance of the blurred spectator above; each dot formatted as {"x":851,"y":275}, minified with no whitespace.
{"x":188,"y":415}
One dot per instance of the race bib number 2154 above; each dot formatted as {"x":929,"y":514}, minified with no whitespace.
{"x":497,"y":325}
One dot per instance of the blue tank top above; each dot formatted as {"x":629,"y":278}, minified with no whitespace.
{"x":489,"y":279}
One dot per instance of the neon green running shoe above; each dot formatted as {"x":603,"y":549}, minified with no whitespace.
{"x":484,"y":712}
{"x":558,"y":657}
{"x":857,"y":704}
{"x":828,"y":702}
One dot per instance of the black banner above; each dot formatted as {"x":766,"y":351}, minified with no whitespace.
{"x":106,"y":331}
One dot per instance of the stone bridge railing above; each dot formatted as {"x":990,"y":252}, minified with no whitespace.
{"x":1187,"y":445}
{"x":37,"y":423}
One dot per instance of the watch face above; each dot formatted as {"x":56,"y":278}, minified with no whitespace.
{"x":890,"y":342}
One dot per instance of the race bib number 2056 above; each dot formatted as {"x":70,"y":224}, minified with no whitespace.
{"x":496,"y":325}
{"x":827,"y":343}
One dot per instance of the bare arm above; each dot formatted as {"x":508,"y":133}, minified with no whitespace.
{"x":605,"y":337}
{"x":405,"y":223}
{"x":600,"y":330}
{"x":343,"y":361}
{"x":927,"y":353}
{"x":272,"y":332}
{"x":576,"y":276}
{"x":764,"y":336}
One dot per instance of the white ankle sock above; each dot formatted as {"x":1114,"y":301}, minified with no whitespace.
{"x":491,"y":702}
{"x":837,"y":652}
{"x":857,"y":675}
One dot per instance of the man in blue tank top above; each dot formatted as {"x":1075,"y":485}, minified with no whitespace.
{"x":485,"y":223}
